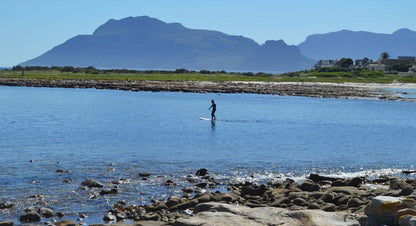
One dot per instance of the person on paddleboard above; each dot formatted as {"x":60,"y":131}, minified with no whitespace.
{"x":214,"y":108}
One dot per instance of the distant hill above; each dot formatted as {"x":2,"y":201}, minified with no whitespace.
{"x":359,"y":44}
{"x":148,"y":43}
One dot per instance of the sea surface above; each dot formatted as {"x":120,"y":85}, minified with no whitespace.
{"x":108,"y":135}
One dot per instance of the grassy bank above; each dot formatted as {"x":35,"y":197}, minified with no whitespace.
{"x":183,"y":75}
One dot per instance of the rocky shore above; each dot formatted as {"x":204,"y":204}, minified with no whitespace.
{"x":317,"y":200}
{"x":324,"y":90}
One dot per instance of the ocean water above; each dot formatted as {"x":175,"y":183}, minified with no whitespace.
{"x":110,"y":135}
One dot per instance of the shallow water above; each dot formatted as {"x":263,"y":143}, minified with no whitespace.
{"x":108,"y":135}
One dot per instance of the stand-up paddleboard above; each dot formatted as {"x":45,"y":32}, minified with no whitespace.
{"x":204,"y":119}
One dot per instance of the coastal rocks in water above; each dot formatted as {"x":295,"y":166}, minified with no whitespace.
{"x":6,"y":223}
{"x":318,"y":178}
{"x":226,"y":214}
{"x":92,"y":184}
{"x":111,"y":191}
{"x":109,"y":217}
{"x":46,"y":212}
{"x":253,"y":190}
{"x":397,"y":183}
{"x":385,"y":210}
{"x":6,"y":205}
{"x":201,"y":172}
{"x":170,"y":183}
{"x":30,"y":217}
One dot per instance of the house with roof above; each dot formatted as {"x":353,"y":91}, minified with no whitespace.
{"x":326,"y":64}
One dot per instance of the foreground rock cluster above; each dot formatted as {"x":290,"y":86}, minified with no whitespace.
{"x":285,"y":89}
{"x":318,"y":200}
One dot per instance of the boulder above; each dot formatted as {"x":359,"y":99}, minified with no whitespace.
{"x":309,"y":185}
{"x":356,"y":181}
{"x":92,"y":184}
{"x":383,"y":209}
{"x":6,"y":205}
{"x":201,"y":172}
{"x":30,"y":217}
{"x":406,"y":191}
{"x":253,"y":190}
{"x":318,"y":178}
{"x":397,"y":183}
{"x":109,"y":217}
{"x":46,"y":212}
{"x":227,"y":214}
{"x":169,"y":183}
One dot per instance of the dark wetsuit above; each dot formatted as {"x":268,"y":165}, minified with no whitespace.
{"x":214,"y":108}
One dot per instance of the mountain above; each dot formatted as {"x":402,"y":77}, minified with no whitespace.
{"x":148,"y":43}
{"x":359,"y":44}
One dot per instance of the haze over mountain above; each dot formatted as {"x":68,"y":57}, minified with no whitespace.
{"x":148,"y":43}
{"x":359,"y":44}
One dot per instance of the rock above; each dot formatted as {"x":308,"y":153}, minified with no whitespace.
{"x":151,"y":217}
{"x":317,"y":178}
{"x":397,"y":183}
{"x":300,"y":202}
{"x":112,"y":191}
{"x":339,"y":183}
{"x":309,"y":185}
{"x":354,"y":202}
{"x":328,"y":197}
{"x":204,"y":198}
{"x":6,"y":205}
{"x":226,"y":214}
{"x":201,"y":172}
{"x":408,"y":171}
{"x":46,"y":212}
{"x":144,"y":174}
{"x":59,"y":171}
{"x":6,"y":223}
{"x":188,"y":190}
{"x":109,"y":217}
{"x":253,"y":190}
{"x":169,"y":183}
{"x":329,"y":207}
{"x":121,"y":216}
{"x":185,"y":205}
{"x":348,"y":190}
{"x":383,"y":209}
{"x":30,"y":217}
{"x":172,"y":201}
{"x":406,"y":191}
{"x":356,"y":181}
{"x":314,"y":206}
{"x":65,"y":223}
{"x":92,"y":184}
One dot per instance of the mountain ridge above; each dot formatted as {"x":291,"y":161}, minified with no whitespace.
{"x":148,"y":43}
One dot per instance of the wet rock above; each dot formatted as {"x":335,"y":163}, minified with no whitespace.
{"x":314,"y":206}
{"x":66,"y":223}
{"x":317,"y":178}
{"x":59,"y":171}
{"x":144,"y":174}
{"x":46,"y":212}
{"x":83,"y":216}
{"x":348,"y":190}
{"x":356,"y":181}
{"x":406,"y":191}
{"x":169,"y":183}
{"x":109,"y":217}
{"x":151,"y":217}
{"x":69,"y":180}
{"x":6,"y":205}
{"x":30,"y":217}
{"x":202,"y":185}
{"x":253,"y":190}
{"x":188,"y":190}
{"x":6,"y":223}
{"x":201,"y":172}
{"x":408,"y":171}
{"x":112,"y":191}
{"x":92,"y":184}
{"x":339,"y":183}
{"x":204,"y":198}
{"x":397,"y":183}
{"x":300,"y":202}
{"x":342,"y":199}
{"x":309,"y":185}
{"x":121,"y":216}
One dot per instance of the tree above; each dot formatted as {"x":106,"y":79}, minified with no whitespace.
{"x":365,"y":60}
{"x":345,"y":62}
{"x":385,"y":56}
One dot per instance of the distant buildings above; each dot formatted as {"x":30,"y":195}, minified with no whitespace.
{"x":401,"y":65}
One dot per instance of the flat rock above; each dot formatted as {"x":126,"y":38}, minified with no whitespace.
{"x":226,"y":214}
{"x":6,"y":223}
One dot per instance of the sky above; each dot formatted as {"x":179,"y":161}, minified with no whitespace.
{"x":28,"y":28}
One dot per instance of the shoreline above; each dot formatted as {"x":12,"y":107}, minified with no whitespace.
{"x":318,"y":198}
{"x":307,"y":89}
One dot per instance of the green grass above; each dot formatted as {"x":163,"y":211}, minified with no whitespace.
{"x":305,"y":76}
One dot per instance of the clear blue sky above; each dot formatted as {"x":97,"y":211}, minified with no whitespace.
{"x":29,"y":28}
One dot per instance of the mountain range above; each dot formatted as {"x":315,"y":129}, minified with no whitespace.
{"x":148,"y":43}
